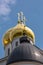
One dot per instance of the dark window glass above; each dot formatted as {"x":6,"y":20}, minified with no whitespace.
{"x":16,"y":43}
{"x":24,"y":39}
{"x":8,"y":51}
{"x":24,"y":34}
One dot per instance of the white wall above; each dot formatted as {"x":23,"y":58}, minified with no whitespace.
{"x":11,"y":46}
{"x":14,"y":43}
{"x":3,"y":61}
{"x":6,"y":49}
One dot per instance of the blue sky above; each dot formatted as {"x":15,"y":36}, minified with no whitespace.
{"x":33,"y":11}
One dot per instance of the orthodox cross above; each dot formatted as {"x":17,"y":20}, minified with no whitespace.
{"x":21,"y":17}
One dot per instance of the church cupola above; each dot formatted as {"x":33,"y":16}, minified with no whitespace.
{"x":19,"y":30}
{"x":18,"y":34}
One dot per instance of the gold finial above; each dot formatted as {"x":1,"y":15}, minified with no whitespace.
{"x":21,"y":14}
{"x":18,"y":16}
{"x":21,"y":18}
{"x":24,"y":19}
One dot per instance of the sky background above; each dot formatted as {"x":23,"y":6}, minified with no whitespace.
{"x":33,"y":11}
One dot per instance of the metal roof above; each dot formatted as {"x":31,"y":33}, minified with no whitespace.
{"x":26,"y":52}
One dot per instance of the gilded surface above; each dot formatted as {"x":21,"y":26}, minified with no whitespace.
{"x":17,"y":31}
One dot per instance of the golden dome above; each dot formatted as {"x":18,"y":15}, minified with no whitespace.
{"x":17,"y":31}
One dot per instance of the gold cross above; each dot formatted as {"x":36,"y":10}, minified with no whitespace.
{"x":21,"y":18}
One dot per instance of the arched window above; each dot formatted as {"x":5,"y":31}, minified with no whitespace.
{"x":8,"y":51}
{"x":24,"y":34}
{"x":24,"y":39}
{"x":16,"y":44}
